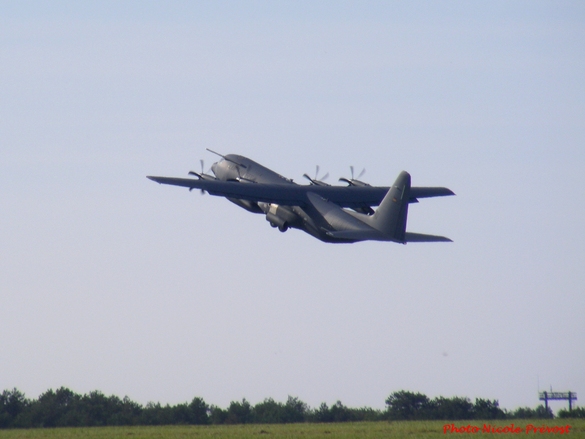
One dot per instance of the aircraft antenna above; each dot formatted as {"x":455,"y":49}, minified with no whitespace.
{"x":225,"y":158}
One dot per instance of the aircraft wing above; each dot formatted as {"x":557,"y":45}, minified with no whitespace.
{"x":296,"y":195}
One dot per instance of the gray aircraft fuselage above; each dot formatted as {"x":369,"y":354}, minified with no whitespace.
{"x":281,"y":217}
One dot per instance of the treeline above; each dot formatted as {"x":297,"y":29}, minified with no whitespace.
{"x":416,"y":406}
{"x":64,"y":408}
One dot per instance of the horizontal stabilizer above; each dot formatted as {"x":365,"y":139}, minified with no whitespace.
{"x":429,"y":192}
{"x":420,"y":237}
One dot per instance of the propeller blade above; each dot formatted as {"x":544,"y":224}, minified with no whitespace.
{"x":354,"y":181}
{"x":316,"y":180}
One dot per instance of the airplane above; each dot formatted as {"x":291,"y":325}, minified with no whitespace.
{"x":333,"y":214}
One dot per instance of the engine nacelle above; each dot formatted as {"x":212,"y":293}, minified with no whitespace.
{"x":279,"y":216}
{"x":354,"y":182}
{"x":276,"y":221}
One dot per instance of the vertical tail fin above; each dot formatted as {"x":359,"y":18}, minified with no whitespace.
{"x":390,"y":217}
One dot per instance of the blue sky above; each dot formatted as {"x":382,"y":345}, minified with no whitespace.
{"x":112,"y":282}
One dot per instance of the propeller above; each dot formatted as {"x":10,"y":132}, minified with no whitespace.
{"x":198,"y":174}
{"x":201,"y":175}
{"x":359,"y":176}
{"x":355,"y":181}
{"x":316,"y":181}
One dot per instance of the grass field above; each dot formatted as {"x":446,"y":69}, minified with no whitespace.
{"x":369,"y":430}
{"x":403,"y":429}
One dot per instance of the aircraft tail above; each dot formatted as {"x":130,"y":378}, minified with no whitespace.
{"x":391,"y":215}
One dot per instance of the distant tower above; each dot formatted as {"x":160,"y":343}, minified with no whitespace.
{"x":546,"y":396}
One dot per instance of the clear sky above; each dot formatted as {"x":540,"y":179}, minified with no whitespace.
{"x":109,"y":281}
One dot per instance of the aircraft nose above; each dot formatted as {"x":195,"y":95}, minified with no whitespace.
{"x":214,"y":169}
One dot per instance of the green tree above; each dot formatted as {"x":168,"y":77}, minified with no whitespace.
{"x":322,"y":414}
{"x":199,"y":411}
{"x":295,"y":410}
{"x":58,"y":408}
{"x":239,"y":413}
{"x":126,"y":412}
{"x":405,"y":405}
{"x":451,"y":408}
{"x":181,"y":414}
{"x":539,"y":412}
{"x":486,"y":409}
{"x":340,"y":413}
{"x":522,"y":413}
{"x":98,"y":408}
{"x":577,"y":412}
{"x":12,"y":404}
{"x":542,"y":412}
{"x":268,"y":412}
{"x":217,"y":415}
{"x":368,"y":414}
{"x":155,"y":414}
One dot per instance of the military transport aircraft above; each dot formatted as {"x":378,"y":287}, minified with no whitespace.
{"x":338,"y":214}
